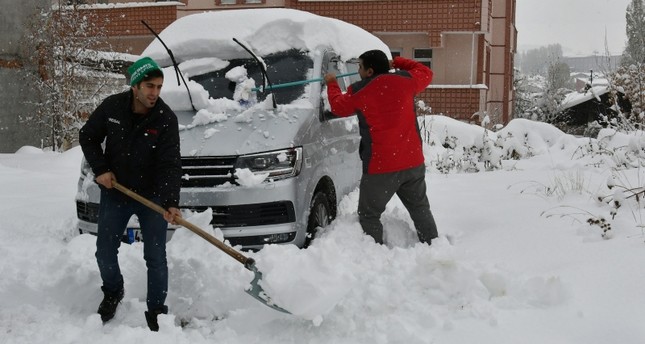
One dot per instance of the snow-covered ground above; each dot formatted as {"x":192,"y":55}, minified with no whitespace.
{"x":516,"y":261}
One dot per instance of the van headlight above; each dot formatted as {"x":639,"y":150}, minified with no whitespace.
{"x":280,"y":164}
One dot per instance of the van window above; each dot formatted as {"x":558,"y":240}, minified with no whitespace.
{"x":283,"y":67}
{"x":337,"y":66}
{"x":352,"y":67}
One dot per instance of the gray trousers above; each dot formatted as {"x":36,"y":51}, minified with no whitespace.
{"x":376,"y":190}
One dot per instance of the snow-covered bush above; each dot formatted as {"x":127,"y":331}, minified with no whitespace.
{"x":457,"y":147}
{"x":630,"y":80}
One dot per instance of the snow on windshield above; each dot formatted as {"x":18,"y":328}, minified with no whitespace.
{"x":203,"y":43}
{"x":202,"y":65}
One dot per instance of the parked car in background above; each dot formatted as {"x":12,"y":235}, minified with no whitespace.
{"x":271,"y":163}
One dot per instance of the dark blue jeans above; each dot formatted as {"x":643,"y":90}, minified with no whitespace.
{"x":114,"y":214}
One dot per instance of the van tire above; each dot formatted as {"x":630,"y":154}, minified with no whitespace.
{"x":320,"y":215}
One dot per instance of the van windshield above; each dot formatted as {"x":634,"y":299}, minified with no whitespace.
{"x":283,"y":67}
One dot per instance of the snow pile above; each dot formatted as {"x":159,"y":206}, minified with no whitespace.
{"x":508,"y":266}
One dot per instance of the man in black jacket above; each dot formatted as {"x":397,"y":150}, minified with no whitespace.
{"x":141,"y":152}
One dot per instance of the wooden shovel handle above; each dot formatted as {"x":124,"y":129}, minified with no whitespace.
{"x":248,"y":262}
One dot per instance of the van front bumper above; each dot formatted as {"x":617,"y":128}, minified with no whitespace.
{"x":247,"y":216}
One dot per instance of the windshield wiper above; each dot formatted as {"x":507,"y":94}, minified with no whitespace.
{"x":174,"y":64}
{"x":265,"y":76}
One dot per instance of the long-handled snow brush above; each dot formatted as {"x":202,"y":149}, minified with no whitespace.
{"x":295,"y":83}
{"x":255,"y":290}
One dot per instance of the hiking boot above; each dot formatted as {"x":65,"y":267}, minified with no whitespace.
{"x":111,"y":300}
{"x":151,"y":317}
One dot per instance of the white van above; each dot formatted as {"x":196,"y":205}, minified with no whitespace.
{"x":271,"y":163}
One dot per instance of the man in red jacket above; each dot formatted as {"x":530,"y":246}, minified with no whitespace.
{"x":391,"y":146}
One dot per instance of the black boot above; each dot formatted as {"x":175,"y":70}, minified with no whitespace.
{"x":151,"y":317}
{"x":111,"y":300}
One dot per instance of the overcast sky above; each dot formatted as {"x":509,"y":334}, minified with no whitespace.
{"x":579,"y":26}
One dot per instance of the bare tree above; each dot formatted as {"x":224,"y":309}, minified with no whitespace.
{"x":63,"y":43}
{"x":523,"y":101}
{"x":537,"y":61}
{"x":545,"y":106}
{"x":558,"y":76}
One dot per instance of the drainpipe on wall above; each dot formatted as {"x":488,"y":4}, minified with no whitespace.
{"x":472,"y":53}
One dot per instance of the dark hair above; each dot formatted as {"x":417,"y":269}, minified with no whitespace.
{"x":377,"y":60}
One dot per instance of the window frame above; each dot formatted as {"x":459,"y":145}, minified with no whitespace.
{"x":424,"y":59}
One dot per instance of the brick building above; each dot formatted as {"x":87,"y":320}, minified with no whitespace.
{"x":469,"y":44}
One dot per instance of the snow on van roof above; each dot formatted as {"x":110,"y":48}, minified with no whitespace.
{"x":264,"y":31}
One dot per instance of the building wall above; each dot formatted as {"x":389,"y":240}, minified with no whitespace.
{"x":457,"y":57}
{"x":456,"y":102}
{"x":197,"y":6}
{"x":503,"y":47}
{"x":14,"y":92}
{"x":430,"y":16}
{"x":127,"y":32}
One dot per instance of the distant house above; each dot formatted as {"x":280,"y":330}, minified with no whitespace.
{"x":594,"y":62}
{"x":584,"y":80}
{"x":588,"y":105}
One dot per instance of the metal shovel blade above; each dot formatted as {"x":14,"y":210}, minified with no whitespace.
{"x":258,"y":293}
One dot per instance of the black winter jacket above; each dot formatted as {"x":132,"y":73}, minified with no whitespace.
{"x":144,"y":157}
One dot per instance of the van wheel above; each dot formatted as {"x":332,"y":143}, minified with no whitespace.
{"x":320,"y":216}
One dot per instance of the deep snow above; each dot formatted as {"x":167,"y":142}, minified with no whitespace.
{"x":521,"y":265}
{"x":516,"y":261}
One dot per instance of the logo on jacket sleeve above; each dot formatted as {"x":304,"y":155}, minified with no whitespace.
{"x":114,"y":120}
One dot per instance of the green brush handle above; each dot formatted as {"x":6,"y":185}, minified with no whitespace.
{"x":296,"y":83}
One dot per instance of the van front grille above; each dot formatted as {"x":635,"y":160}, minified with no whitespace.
{"x":207,"y":171}
{"x":242,"y":215}
{"x":88,"y":212}
{"x":258,"y":214}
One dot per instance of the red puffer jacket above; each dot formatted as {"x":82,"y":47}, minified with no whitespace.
{"x":384,"y":104}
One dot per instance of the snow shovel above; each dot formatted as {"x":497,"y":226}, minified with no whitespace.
{"x":296,"y":83}
{"x":256,"y":290}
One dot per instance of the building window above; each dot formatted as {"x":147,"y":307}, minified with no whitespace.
{"x":253,"y":1}
{"x":395,"y":53}
{"x":227,"y":2}
{"x":424,"y":56}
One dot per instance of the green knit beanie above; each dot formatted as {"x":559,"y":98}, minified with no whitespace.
{"x":139,"y":69}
